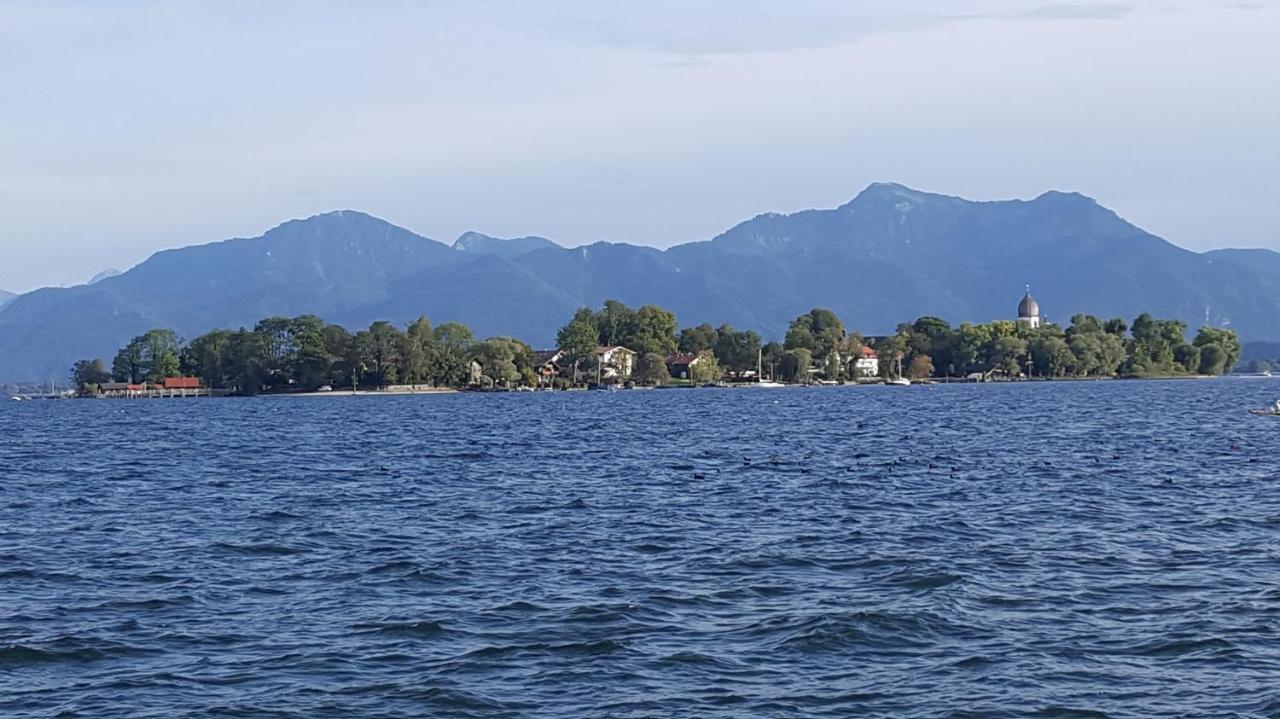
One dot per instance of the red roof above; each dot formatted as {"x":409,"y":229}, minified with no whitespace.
{"x":869,"y":353}
{"x":182,"y":383}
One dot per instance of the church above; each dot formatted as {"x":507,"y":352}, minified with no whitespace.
{"x":1029,"y":311}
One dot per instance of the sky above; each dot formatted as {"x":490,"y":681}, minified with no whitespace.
{"x":133,"y":126}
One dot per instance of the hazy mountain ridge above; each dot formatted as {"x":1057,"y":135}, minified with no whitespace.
{"x":888,"y":255}
{"x":109,"y":272}
{"x":479,"y":244}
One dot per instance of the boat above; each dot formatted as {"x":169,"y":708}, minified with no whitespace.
{"x":1265,"y":412}
{"x":901,"y":382}
{"x":760,"y":380}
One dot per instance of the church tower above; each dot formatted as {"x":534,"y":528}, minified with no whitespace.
{"x":1029,"y":311}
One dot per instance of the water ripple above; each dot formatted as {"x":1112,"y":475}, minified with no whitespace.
{"x":1048,"y":550}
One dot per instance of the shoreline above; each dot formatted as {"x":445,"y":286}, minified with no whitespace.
{"x":412,"y":392}
{"x":366,"y":393}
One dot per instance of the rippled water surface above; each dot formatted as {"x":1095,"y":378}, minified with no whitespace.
{"x":1050,"y":550}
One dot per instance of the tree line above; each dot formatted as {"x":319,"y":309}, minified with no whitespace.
{"x":306,"y":353}
{"x":1087,"y":347}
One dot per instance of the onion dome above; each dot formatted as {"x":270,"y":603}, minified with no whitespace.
{"x":1028,"y":307}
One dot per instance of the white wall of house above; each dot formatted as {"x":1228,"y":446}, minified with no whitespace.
{"x":617,"y":362}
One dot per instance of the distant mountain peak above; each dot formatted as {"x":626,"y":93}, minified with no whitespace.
{"x":1065,"y":198}
{"x":476,"y":243}
{"x":878,"y":194}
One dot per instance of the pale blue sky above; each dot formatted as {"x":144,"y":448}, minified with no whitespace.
{"x":127,"y":127}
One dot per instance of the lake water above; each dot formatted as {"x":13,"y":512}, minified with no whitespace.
{"x":1049,"y":550}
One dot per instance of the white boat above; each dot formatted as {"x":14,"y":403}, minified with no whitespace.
{"x":901,"y":382}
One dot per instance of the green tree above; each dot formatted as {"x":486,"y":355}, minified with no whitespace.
{"x":892,"y":351}
{"x":1227,"y":340}
{"x":1115,"y":326}
{"x":247,"y":360}
{"x":1051,"y":356}
{"x":417,"y":355}
{"x":310,"y":365}
{"x":452,"y":344}
{"x":128,"y":365}
{"x":967,"y":352}
{"x":696,"y":339}
{"x":1087,"y":349}
{"x":819,"y":331}
{"x":160,"y":351}
{"x":497,"y":358}
{"x":616,"y":324}
{"x":578,"y":340}
{"x":651,"y":369}
{"x":150,"y":357}
{"x":1213,"y":359}
{"x":794,"y":365}
{"x":1112,"y":354}
{"x":654,"y":331}
{"x":737,"y":351}
{"x":934,"y":337}
{"x":706,"y":369}
{"x":1187,"y":356}
{"x":209,"y":358}
{"x":377,"y":350}
{"x":337,"y":346}
{"x":87,"y":374}
{"x":1084,"y":324}
{"x":1006,"y":353}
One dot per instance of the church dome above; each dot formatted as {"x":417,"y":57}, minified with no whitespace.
{"x":1028,"y":307}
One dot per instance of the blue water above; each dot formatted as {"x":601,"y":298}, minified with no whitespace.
{"x":1051,"y":550}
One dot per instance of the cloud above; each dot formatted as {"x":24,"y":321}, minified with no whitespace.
{"x":701,"y":29}
{"x":1080,"y":11}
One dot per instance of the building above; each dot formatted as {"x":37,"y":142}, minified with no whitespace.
{"x":172,"y":383}
{"x":615,"y":362}
{"x":549,"y":364}
{"x":1029,"y":311}
{"x":867,"y":363}
{"x":680,"y":365}
{"x":120,"y":389}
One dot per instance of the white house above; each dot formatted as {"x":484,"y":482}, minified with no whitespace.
{"x":615,"y":362}
{"x":868,"y":363}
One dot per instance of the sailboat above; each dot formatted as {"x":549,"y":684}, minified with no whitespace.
{"x":760,"y":380}
{"x":899,"y":380}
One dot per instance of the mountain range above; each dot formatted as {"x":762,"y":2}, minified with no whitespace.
{"x":889,"y":255}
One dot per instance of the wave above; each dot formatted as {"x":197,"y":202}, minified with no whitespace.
{"x":257,"y":550}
